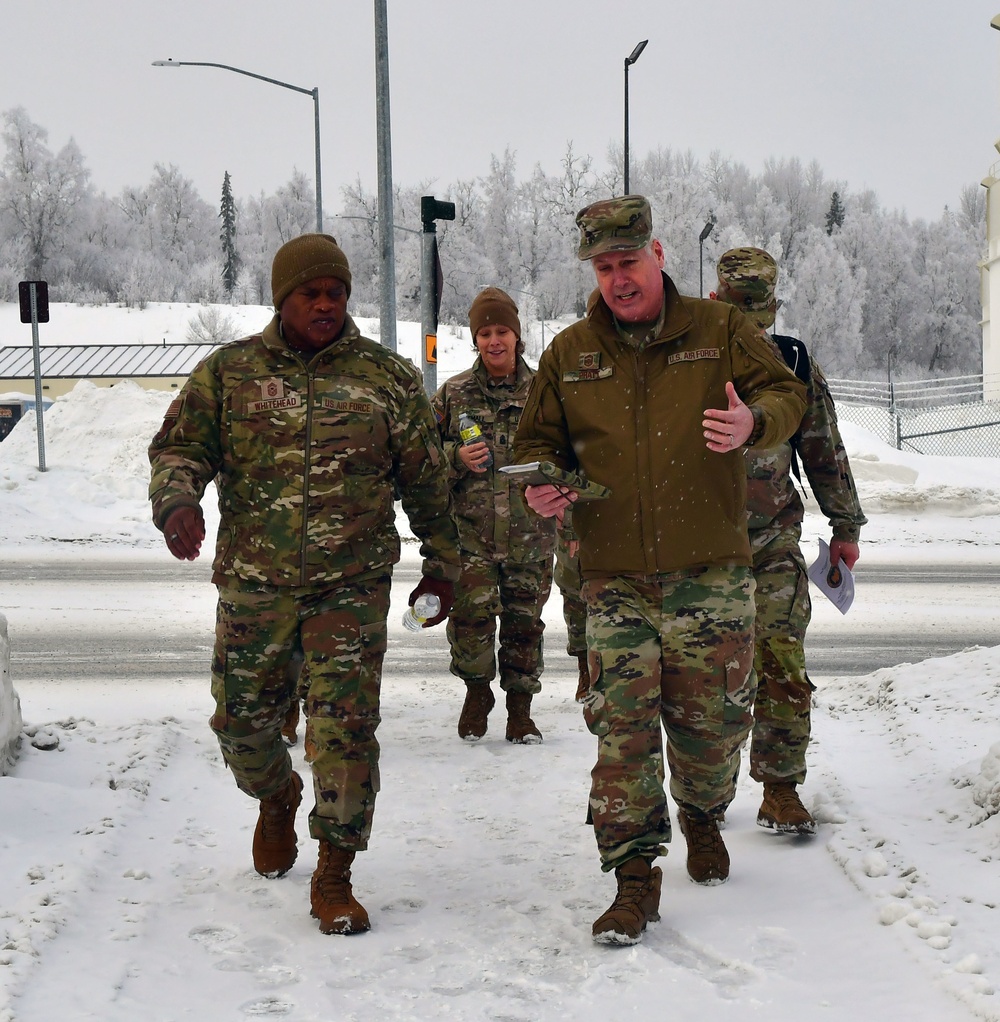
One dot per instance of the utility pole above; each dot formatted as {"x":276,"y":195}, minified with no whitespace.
{"x":387,"y":290}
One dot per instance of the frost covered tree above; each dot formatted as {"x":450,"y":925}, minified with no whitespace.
{"x":945,"y":333}
{"x":357,"y":233}
{"x":174,"y":228}
{"x":881,"y":247}
{"x":826,"y":305}
{"x":41,"y":193}
{"x":680,"y":199}
{"x":799,"y":193}
{"x":500,"y":237}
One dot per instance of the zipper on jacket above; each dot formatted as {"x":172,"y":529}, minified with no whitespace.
{"x":306,"y":458}
{"x":639,"y":379}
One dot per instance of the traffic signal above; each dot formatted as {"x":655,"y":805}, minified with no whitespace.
{"x":432,"y":209}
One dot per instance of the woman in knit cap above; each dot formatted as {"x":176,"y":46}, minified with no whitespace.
{"x":506,"y":549}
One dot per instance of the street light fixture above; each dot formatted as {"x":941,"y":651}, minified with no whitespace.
{"x":629,"y":61}
{"x":705,"y":232}
{"x":274,"y":81}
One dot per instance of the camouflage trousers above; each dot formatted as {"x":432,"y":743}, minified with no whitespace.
{"x":340,"y":634}
{"x":782,"y":708}
{"x":676,"y":649}
{"x":569,"y":580}
{"x":514,"y":593}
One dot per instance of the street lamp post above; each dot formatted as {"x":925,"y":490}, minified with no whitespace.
{"x":285,"y":85}
{"x":705,"y":232}
{"x":387,"y":277}
{"x":629,"y":61}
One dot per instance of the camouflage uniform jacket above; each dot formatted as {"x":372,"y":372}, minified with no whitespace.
{"x":493,"y":519}
{"x":773,"y":502}
{"x":631,"y":416}
{"x":307,"y":453}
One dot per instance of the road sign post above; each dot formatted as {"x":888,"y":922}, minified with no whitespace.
{"x":33,"y":296}
{"x":431,"y":210}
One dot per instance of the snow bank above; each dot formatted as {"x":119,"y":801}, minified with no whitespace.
{"x":10,"y":706}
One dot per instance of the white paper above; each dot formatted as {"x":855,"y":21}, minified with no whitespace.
{"x":836,"y":583}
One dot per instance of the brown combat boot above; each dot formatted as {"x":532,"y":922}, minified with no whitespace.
{"x":289,"y":729}
{"x":782,"y":810}
{"x":707,"y":858}
{"x":479,"y":700}
{"x":274,"y":843}
{"x":583,"y":685}
{"x":520,"y":727}
{"x":330,"y":894}
{"x":637,"y":903}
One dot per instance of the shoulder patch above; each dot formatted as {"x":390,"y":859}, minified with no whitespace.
{"x":169,"y":419}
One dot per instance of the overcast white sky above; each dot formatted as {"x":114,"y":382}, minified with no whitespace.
{"x":902,"y":96}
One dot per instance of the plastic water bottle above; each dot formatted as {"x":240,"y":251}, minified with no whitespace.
{"x":471,"y":433}
{"x":425,"y":607}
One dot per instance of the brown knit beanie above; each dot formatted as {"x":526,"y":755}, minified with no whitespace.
{"x":306,"y":258}
{"x":493,"y":306}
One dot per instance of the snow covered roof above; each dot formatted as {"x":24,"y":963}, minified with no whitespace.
{"x":96,"y":361}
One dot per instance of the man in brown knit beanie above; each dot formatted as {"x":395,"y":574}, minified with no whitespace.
{"x":307,"y":258}
{"x":309,"y":431}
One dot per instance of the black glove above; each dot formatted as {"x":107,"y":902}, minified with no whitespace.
{"x":442,"y":589}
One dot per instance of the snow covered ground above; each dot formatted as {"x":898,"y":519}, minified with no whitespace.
{"x":125,"y":852}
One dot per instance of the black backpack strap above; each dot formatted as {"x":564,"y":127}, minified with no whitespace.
{"x":793,"y":351}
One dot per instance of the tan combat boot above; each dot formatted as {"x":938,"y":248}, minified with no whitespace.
{"x":479,"y":700}
{"x":520,"y":727}
{"x":707,"y":858}
{"x":782,"y":810}
{"x":583,"y":685}
{"x":289,"y":728}
{"x":637,"y":903}
{"x":274,"y":843}
{"x":331,"y":896}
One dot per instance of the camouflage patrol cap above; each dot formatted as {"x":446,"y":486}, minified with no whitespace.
{"x":747,"y":279}
{"x":614,"y":225}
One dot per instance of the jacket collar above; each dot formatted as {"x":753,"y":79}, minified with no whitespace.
{"x":522,"y":372}
{"x":274,"y":340}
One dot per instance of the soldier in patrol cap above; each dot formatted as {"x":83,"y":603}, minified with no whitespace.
{"x":309,"y":431}
{"x":748,"y":279}
{"x":654,"y":395}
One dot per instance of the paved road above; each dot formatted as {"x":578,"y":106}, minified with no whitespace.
{"x":128,"y":620}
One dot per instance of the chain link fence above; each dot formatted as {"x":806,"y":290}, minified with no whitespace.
{"x":945,"y":417}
